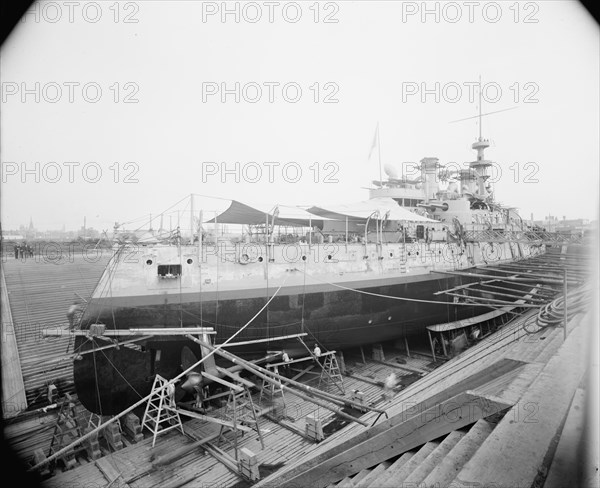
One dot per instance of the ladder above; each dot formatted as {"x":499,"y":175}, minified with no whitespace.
{"x":240,"y":410}
{"x":269,"y":388}
{"x":330,"y":370}
{"x":330,"y":373}
{"x":160,"y":410}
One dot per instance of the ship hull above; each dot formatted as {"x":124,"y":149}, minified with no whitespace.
{"x":112,"y":379}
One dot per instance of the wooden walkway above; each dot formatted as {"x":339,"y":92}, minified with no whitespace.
{"x":40,"y":292}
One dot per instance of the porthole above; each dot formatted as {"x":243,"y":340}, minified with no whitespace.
{"x":189,"y":261}
{"x":303,"y":258}
{"x":329,"y":257}
{"x":260,"y":259}
{"x":149,"y":262}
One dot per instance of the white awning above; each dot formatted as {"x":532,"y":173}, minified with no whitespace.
{"x":240,"y":213}
{"x":361,"y":211}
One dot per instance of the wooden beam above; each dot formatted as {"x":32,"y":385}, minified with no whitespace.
{"x":261,"y":374}
{"x":257,"y":341}
{"x":403,"y":367}
{"x":364,"y":380}
{"x":303,"y":372}
{"x":173,"y":455}
{"x":289,"y":426}
{"x":216,"y":379}
{"x":223,"y":457}
{"x":521,"y":273}
{"x":277,"y":380}
{"x":236,"y":377}
{"x":455,"y":413}
{"x":492,"y":301}
{"x":526,"y":296}
{"x":509,"y":279}
{"x":468,"y":285}
{"x":214,"y":420}
{"x":293,"y":361}
{"x":13,"y":388}
{"x":158,"y":331}
{"x":109,"y":471}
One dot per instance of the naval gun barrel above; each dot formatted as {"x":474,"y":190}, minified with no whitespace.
{"x":432,"y":206}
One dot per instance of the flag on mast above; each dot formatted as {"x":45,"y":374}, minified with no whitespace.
{"x":375,"y":141}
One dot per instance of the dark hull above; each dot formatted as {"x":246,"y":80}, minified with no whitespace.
{"x":336,"y":319}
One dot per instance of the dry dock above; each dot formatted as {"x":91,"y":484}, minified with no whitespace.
{"x":512,"y":410}
{"x":494,"y":414}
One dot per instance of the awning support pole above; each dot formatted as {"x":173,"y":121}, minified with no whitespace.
{"x":431,"y":344}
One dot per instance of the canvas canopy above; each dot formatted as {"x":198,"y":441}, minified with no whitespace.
{"x":360,"y":211}
{"x":240,"y":213}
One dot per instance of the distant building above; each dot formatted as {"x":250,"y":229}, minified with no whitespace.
{"x":554,"y":224}
{"x":12,"y":237}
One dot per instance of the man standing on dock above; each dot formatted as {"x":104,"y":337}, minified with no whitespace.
{"x":73,"y":309}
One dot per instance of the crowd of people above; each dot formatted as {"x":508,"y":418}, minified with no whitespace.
{"x":23,"y":251}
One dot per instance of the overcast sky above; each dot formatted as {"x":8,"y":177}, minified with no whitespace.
{"x":357,"y":64}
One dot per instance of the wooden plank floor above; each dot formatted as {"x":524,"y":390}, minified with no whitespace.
{"x":40,"y":291}
{"x":281,"y":445}
{"x":13,"y":388}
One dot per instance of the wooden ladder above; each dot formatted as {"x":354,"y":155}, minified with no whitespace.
{"x":240,"y":410}
{"x":330,"y":370}
{"x":330,"y":373}
{"x":269,"y":388}
{"x":160,"y":410}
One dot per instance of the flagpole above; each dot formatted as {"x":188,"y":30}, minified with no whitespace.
{"x":379,"y":153}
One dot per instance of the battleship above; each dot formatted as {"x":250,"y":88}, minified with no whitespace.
{"x":345,"y":274}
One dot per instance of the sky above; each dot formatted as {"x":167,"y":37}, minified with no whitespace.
{"x":115,"y":111}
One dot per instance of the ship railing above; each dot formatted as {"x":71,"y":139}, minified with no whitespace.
{"x":524,"y":237}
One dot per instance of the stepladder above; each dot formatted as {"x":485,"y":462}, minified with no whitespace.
{"x":240,"y":411}
{"x":161,"y":413}
{"x":271,"y":389}
{"x":330,"y":371}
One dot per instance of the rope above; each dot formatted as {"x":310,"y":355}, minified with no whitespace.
{"x":553,"y":313}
